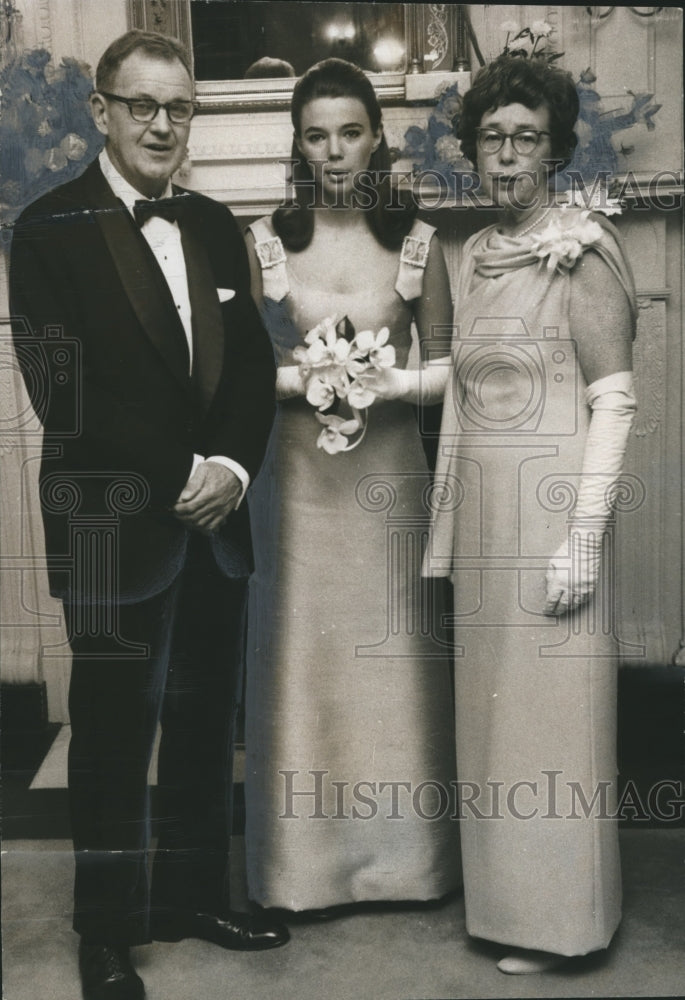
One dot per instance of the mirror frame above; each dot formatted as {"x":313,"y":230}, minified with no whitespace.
{"x":424,"y":24}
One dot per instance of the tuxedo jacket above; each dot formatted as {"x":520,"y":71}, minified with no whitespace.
{"x":105,"y":360}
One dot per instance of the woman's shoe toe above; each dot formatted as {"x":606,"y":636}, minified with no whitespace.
{"x":524,"y":962}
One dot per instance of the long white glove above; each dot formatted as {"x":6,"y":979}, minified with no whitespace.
{"x":289,"y":382}
{"x":574,"y":569}
{"x":412,"y":385}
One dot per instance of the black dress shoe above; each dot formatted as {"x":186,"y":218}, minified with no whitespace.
{"x":107,"y":973}
{"x":237,"y":931}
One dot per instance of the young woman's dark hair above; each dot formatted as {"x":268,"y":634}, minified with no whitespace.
{"x":391,"y":215}
{"x":531,"y":82}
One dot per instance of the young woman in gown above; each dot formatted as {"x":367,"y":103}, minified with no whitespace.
{"x":350,"y":745}
{"x":534,"y":431}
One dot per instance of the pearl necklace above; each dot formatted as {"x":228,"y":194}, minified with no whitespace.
{"x":528,"y":229}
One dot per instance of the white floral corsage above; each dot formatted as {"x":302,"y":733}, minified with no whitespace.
{"x":332,"y":367}
{"x":563,"y":240}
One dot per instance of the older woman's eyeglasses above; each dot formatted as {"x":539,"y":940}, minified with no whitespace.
{"x":144,"y":109}
{"x":491,"y":140}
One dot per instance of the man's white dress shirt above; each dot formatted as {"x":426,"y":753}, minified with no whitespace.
{"x":164,"y":239}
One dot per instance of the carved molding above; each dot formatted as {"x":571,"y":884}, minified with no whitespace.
{"x":238,"y":153}
{"x":237,"y":138}
{"x":77,"y":28}
{"x":36,"y":23}
{"x":267,"y":136}
{"x":45,"y":23}
{"x":168,"y":17}
{"x":437,"y":38}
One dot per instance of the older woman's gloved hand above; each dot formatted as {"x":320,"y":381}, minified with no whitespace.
{"x":574,"y":568}
{"x":573,"y":571}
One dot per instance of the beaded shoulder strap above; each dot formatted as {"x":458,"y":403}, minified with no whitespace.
{"x":413,"y":259}
{"x":271,"y":256}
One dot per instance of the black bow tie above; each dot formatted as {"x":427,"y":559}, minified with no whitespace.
{"x":170,"y":209}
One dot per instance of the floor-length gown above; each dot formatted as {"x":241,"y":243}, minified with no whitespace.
{"x":535,"y":696}
{"x":350,"y":745}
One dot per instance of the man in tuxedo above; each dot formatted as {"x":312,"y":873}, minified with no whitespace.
{"x":153,"y":378}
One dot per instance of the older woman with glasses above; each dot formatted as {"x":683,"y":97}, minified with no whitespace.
{"x":534,"y":431}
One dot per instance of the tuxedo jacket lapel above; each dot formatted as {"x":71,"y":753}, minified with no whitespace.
{"x":208,"y":324}
{"x":140,"y":275}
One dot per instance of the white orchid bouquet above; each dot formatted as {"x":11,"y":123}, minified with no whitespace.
{"x":333,"y":367}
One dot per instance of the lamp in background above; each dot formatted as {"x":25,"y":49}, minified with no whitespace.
{"x":338,"y":32}
{"x":388,"y":53}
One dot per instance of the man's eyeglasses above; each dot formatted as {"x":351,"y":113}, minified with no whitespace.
{"x":144,"y":109}
{"x":491,"y":140}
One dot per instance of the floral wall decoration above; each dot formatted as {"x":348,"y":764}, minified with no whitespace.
{"x":47,"y":134}
{"x":435,"y":148}
{"x":595,"y":152}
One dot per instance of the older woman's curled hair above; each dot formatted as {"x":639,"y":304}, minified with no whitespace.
{"x":531,"y":82}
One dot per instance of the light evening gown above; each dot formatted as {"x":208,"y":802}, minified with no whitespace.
{"x":535,"y":696}
{"x":348,"y":680}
